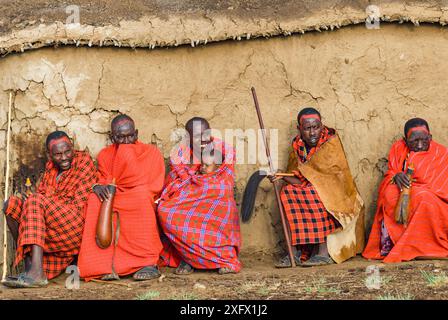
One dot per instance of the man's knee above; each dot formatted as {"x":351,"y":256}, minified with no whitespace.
{"x":36,"y":198}
{"x":391,"y":195}
{"x":34,"y":202}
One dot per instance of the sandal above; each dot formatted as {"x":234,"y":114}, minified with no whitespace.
{"x":225,"y":270}
{"x":318,"y":261}
{"x":147,"y":273}
{"x":285,"y":262}
{"x":23,"y":281}
{"x":110,"y":277}
{"x":184,"y":269}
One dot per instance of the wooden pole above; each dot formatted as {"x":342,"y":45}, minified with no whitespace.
{"x":283,"y":174}
{"x":5,"y":225}
{"x":275,"y":183}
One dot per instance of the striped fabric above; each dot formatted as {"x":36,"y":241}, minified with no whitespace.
{"x":198,"y":215}
{"x":53,"y":217}
{"x":427,"y":232}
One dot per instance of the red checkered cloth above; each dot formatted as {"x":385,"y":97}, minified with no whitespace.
{"x":198,"y":216}
{"x":53,"y":217}
{"x":309,"y":221}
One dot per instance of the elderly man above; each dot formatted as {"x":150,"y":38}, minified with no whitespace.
{"x":197,"y":212}
{"x":48,"y":224}
{"x":323,"y":208}
{"x":138,"y":170}
{"x":425,"y":233}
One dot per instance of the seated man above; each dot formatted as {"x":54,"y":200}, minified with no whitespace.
{"x":48,"y":224}
{"x":138,"y":170}
{"x":197,"y":212}
{"x":426,"y":232}
{"x":323,"y":208}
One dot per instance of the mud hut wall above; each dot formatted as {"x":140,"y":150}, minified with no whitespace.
{"x":366,"y":83}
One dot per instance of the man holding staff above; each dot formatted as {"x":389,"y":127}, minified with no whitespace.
{"x":48,"y":224}
{"x":323,"y":208}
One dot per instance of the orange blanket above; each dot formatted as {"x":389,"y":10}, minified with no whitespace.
{"x":427,"y":232}
{"x":139,"y":171}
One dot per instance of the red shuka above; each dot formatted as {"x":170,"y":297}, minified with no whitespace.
{"x":427,"y":232}
{"x":139,"y":171}
{"x":53,"y":217}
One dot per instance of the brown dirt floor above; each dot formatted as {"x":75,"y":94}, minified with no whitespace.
{"x":415,"y":280}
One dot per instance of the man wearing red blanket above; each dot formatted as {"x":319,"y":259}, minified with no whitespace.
{"x":139,"y":171}
{"x":47,"y":225}
{"x":426,"y":232}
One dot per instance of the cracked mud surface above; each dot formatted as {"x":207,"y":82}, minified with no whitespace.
{"x":366,"y":83}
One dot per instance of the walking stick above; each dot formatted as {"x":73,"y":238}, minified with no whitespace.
{"x":276,"y":188}
{"x":5,"y":226}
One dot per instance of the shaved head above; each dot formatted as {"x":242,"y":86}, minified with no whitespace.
{"x":123,"y":130}
{"x":310,"y":126}
{"x":306,"y":112}
{"x":60,"y":150}
{"x":120,"y":120}
{"x":413,"y":123}
{"x":196,"y":121}
{"x":55,"y":135}
{"x":417,"y":135}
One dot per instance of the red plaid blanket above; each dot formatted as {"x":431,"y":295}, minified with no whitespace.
{"x":198,"y":215}
{"x":309,"y":221}
{"x":53,"y":217}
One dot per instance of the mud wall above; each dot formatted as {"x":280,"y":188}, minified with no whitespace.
{"x":366,"y":83}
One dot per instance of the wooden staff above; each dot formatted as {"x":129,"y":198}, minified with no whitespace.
{"x":5,"y":226}
{"x":276,"y":188}
{"x":284,"y":174}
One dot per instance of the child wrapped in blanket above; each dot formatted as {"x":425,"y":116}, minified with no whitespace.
{"x":211,"y":160}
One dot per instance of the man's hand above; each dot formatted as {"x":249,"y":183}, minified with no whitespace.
{"x":24,"y":196}
{"x":273,"y":178}
{"x":288,"y":180}
{"x":102,"y":191}
{"x":291,"y":180}
{"x":402,"y":181}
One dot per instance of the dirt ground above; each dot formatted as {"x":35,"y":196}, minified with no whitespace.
{"x":416,"y":280}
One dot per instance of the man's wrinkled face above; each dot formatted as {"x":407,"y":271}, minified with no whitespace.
{"x":310,"y":131}
{"x":419,"y":141}
{"x":124,"y":133}
{"x":62,"y":154}
{"x":200,"y":135}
